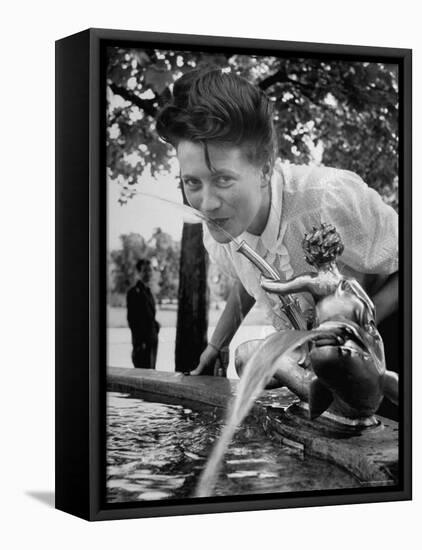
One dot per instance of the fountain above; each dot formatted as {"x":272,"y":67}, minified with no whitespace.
{"x":335,"y":372}
{"x":338,"y":365}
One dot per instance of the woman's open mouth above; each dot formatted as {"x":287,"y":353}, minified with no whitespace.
{"x":219,"y":222}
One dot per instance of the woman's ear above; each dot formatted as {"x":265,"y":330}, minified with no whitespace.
{"x":266,"y":171}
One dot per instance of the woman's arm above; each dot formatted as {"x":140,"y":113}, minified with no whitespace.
{"x":237,"y":307}
{"x":386,"y":298}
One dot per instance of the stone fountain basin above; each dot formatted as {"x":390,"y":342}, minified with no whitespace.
{"x":371,"y":454}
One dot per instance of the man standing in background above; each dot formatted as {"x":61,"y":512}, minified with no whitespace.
{"x":141,"y":318}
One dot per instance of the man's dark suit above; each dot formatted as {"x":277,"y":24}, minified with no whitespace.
{"x":144,"y":327}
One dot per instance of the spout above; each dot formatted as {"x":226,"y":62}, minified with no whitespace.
{"x":264,"y":267}
{"x":289,"y":306}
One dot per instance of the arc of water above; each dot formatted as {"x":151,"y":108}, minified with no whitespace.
{"x":190,"y":213}
{"x":276,"y":352}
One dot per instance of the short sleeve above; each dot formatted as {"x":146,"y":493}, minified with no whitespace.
{"x":219,"y":255}
{"x":367,"y":225}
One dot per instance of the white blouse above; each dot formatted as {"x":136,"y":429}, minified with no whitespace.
{"x":303,"y":197}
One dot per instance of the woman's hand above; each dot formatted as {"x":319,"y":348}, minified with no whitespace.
{"x":237,"y":307}
{"x":206,"y":361}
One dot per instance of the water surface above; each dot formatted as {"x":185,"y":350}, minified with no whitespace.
{"x":157,"y":451}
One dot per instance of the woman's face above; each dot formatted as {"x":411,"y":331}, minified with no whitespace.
{"x":234,"y":194}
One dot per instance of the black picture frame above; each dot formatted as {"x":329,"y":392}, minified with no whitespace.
{"x":81,"y":284}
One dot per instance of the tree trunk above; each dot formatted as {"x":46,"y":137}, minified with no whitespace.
{"x":192,"y":312}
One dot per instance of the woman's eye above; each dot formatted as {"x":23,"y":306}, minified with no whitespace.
{"x":191,"y":183}
{"x":224,"y":180}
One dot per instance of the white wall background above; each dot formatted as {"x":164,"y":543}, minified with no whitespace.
{"x":27,"y":37}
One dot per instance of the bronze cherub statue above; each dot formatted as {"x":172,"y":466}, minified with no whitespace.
{"x":338,"y":364}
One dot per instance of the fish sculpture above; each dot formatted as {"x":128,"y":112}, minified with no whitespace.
{"x":339,"y":364}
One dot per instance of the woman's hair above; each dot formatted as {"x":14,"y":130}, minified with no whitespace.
{"x":212,"y":106}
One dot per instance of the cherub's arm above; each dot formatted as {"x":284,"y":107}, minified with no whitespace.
{"x":318,"y":284}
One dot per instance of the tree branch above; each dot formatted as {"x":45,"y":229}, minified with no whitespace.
{"x":282,"y":77}
{"x":279,"y":76}
{"x":147,"y":105}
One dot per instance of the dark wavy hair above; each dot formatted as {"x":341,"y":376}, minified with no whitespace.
{"x":212,"y":106}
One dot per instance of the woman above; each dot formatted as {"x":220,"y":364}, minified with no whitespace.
{"x":222,"y":128}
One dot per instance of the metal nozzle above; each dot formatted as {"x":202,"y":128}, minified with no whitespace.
{"x":289,"y":305}
{"x":264,"y":267}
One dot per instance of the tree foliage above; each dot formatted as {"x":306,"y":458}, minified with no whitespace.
{"x":164,"y":253}
{"x":123,"y":261}
{"x":340,"y":113}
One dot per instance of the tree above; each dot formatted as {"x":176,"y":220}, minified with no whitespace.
{"x":166,"y":253}
{"x":192,"y":311}
{"x":123,"y":272}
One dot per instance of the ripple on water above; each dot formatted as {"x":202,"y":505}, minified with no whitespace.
{"x":156,"y":451}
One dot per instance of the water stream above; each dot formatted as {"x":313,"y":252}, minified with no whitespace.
{"x":275,"y":351}
{"x":190,"y":215}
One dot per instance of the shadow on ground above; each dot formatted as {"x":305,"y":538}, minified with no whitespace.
{"x":45,"y":497}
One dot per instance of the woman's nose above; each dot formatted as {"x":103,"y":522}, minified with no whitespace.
{"x":210,"y":201}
